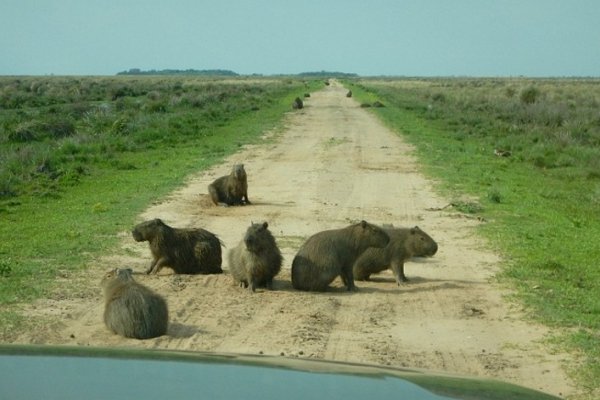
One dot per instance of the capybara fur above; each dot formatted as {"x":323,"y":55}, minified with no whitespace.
{"x":329,"y":254}
{"x":232,"y":189}
{"x":297,"y":104}
{"x":404,"y":244}
{"x":186,"y":251}
{"x":131,"y":309}
{"x":349,"y":94}
{"x":256,"y":260}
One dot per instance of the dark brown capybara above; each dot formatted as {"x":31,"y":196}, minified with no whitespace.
{"x":332,"y":253}
{"x":186,"y":251}
{"x":230,"y":189}
{"x":131,"y":309}
{"x":349,"y":94}
{"x":256,"y":260}
{"x":404,"y":244}
{"x":297,"y":104}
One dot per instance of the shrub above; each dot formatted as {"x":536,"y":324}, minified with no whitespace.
{"x":530,"y":95}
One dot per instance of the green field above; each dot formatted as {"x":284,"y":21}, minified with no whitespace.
{"x":529,"y":151}
{"x":80,"y":158}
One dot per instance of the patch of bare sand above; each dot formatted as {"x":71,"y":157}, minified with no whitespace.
{"x":334,"y":164}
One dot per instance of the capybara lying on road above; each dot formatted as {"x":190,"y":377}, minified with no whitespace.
{"x":256,"y":259}
{"x":404,"y":244}
{"x":230,"y":189}
{"x":332,"y":253}
{"x":131,"y":309}
{"x":186,"y":251}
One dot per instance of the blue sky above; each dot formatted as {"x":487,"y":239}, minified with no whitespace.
{"x":368,"y":37}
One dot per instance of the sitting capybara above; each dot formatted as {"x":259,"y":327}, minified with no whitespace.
{"x":131,"y":309}
{"x":256,"y":260}
{"x":404,"y":244}
{"x":230,"y":189}
{"x":297,"y":104}
{"x":327,"y":254}
{"x":186,"y":251}
{"x":349,"y":94}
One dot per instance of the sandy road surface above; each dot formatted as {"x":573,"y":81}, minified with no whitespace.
{"x":333,"y":164}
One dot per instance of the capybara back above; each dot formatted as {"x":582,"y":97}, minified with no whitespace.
{"x":131,"y":309}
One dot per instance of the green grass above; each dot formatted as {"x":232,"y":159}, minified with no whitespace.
{"x":69,"y":195}
{"x":542,"y":203}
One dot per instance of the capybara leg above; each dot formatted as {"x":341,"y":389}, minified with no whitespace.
{"x":398,"y":269}
{"x":160,"y":263}
{"x":348,"y":279}
{"x":246,"y":197}
{"x":214,"y":196}
{"x":151,"y":267}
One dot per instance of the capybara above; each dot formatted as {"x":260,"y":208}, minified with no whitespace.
{"x":349,"y":94}
{"x":404,"y":244}
{"x":186,"y":251}
{"x":256,"y":260}
{"x":230,"y":189}
{"x":327,"y":254}
{"x":131,"y":309}
{"x":297,"y":104}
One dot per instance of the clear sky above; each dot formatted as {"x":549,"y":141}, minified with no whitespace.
{"x":367,"y":37}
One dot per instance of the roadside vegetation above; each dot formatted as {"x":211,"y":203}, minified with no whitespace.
{"x":528,"y":151}
{"x":81,"y":157}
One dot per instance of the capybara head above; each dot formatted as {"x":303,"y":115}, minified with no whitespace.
{"x":147,"y":230}
{"x":121,"y":274}
{"x":239,"y":172}
{"x":258,"y":237}
{"x":422,"y":245}
{"x":371,"y":235}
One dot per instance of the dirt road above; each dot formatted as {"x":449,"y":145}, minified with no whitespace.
{"x":333,"y":164}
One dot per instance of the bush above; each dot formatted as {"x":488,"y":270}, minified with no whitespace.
{"x":530,"y":95}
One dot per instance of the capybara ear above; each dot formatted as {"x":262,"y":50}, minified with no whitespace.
{"x":265,"y":225}
{"x":363,"y":223}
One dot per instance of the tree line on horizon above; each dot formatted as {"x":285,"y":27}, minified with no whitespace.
{"x":226,"y":72}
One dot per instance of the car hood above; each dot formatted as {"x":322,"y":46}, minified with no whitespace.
{"x":62,"y":372}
